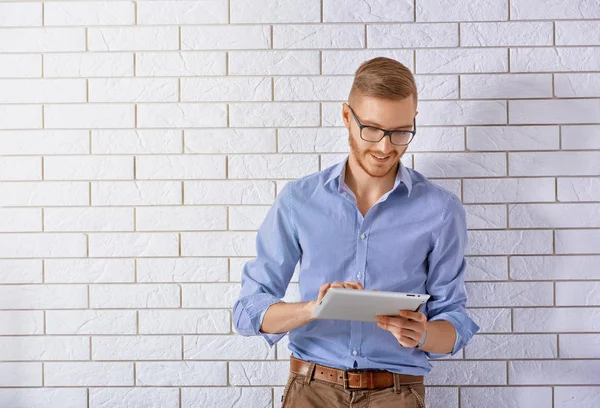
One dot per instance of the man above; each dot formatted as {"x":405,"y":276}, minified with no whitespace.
{"x":365,"y":223}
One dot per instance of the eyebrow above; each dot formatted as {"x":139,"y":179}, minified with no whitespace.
{"x":370,"y":123}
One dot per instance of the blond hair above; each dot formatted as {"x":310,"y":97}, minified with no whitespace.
{"x":384,"y":78}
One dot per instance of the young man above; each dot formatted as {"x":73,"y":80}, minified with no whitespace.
{"x":365,"y":223}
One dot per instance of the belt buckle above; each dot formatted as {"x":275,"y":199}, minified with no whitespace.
{"x":346,"y":380}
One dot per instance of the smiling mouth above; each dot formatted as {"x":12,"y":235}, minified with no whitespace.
{"x":380,"y":159}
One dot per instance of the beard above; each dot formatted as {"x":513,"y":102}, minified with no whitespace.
{"x":367,"y":163}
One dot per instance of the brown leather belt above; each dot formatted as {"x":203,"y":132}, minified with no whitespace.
{"x":364,"y":379}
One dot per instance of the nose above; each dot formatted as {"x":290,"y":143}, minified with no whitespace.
{"x":385,"y":145}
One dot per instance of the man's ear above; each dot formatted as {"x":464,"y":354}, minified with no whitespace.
{"x":346,"y":115}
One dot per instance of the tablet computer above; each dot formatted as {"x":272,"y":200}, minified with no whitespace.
{"x":365,"y":305}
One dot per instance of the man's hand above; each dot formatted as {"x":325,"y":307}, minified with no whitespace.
{"x":324,"y":288}
{"x":408,"y":328}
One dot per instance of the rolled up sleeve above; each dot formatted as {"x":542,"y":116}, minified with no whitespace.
{"x":445,"y":279}
{"x":265,"y":278}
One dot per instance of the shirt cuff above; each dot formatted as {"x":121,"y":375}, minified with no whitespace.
{"x":255,"y":307}
{"x":465,"y":329}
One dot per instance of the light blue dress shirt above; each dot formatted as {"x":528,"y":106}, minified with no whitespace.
{"x":412,"y":240}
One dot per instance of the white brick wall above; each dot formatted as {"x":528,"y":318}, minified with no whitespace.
{"x":142,"y":142}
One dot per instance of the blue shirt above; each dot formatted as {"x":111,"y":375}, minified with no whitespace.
{"x":412,"y":240}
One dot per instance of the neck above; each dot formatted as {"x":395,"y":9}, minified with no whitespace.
{"x":365,"y":186}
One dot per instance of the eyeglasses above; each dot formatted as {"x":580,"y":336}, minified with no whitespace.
{"x":374,"y":134}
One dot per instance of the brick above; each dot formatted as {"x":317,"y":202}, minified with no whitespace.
{"x":258,"y":373}
{"x":467,"y":373}
{"x":509,"y":34}
{"x":169,"y":12}
{"x":136,"y":141}
{"x":20,"y":168}
{"x":133,"y":38}
{"x":554,"y":111}
{"x":486,"y":216}
{"x":89,"y":65}
{"x":21,"y":322}
{"x":133,"y":90}
{"x":184,"y":322}
{"x":88,"y":168}
{"x":578,"y":189}
{"x":272,"y":166}
{"x":577,"y":294}
{"x":21,"y":374}
{"x":209,"y":295}
{"x":543,"y":10}
{"x":182,"y":270}
{"x":512,"y":346}
{"x":579,"y":345}
{"x":230,"y":141}
{"x":545,"y":372}
{"x":66,"y":116}
{"x":312,"y":140}
{"x":453,"y":186}
{"x":89,"y":374}
{"x":91,"y":322}
{"x":89,"y":13}
{"x":44,"y":194}
{"x":506,"y":86}
{"x":493,"y":320}
{"x":556,"y":320}
{"x":180,"y":64}
{"x":42,"y":245}
{"x":44,"y":348}
{"x":42,"y":90}
{"x":224,"y":397}
{"x":463,"y":10}
{"x":168,"y":167}
{"x":577,"y":85}
{"x":226,"y":89}
{"x":507,"y":294}
{"x":229,"y":192}
{"x":554,"y":163}
{"x":455,"y":61}
{"x":20,"y":220}
{"x":226,"y":37}
{"x":512,"y":242}
{"x":580,"y":137}
{"x":21,"y":270}
{"x":43,"y":297}
{"x":275,"y":11}
{"x":218,"y":244}
{"x":412,"y":35}
{"x":88,"y":219}
{"x":133,"y":244}
{"x":506,"y":138}
{"x":326,"y":36}
{"x":238,"y":348}
{"x":578,"y":32}
{"x":180,"y":115}
{"x":20,"y":117}
{"x":509,"y":190}
{"x":45,"y":397}
{"x":554,"y":59}
{"x":107,"y":296}
{"x":136,"y":193}
{"x":20,"y":14}
{"x":128,"y":397}
{"x":136,"y":348}
{"x":584,"y":397}
{"x":449,"y":165}
{"x":554,"y":215}
{"x":20,"y":65}
{"x":508,"y":397}
{"x":44,"y":142}
{"x":340,"y":11}
{"x":325,"y":88}
{"x":554,"y":267}
{"x":181,"y":218}
{"x":89,"y":270}
{"x":275,"y":114}
{"x":486,"y":268}
{"x":181,"y":374}
{"x":345,"y":62}
{"x":247,"y":218}
{"x":22,"y":40}
{"x":442,"y":113}
{"x":437,"y":87}
{"x":274,"y":63}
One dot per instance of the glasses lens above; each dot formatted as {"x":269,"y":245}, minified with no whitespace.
{"x":401,"y":138}
{"x":372,"y":134}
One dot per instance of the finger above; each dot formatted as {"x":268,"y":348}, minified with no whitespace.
{"x":407,"y":341}
{"x":387,"y":322}
{"x":416,"y":316}
{"x":323,"y":290}
{"x":353,"y":285}
{"x":406,"y":335}
{"x":337,"y":284}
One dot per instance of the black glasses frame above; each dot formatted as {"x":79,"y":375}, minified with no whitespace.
{"x":385,"y":132}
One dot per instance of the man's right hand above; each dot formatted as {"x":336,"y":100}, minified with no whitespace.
{"x":312,"y":305}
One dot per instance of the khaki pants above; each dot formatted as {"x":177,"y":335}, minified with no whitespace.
{"x":303,"y":392}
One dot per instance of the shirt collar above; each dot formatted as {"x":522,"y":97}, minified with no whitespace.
{"x":402,"y":175}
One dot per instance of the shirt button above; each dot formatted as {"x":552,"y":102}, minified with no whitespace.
{"x":362,"y":236}
{"x":355,"y":353}
{"x":359,"y":275}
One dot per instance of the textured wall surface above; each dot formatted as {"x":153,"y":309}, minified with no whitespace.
{"x":142,"y":143}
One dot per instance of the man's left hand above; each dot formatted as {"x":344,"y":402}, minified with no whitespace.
{"x":408,"y":328}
